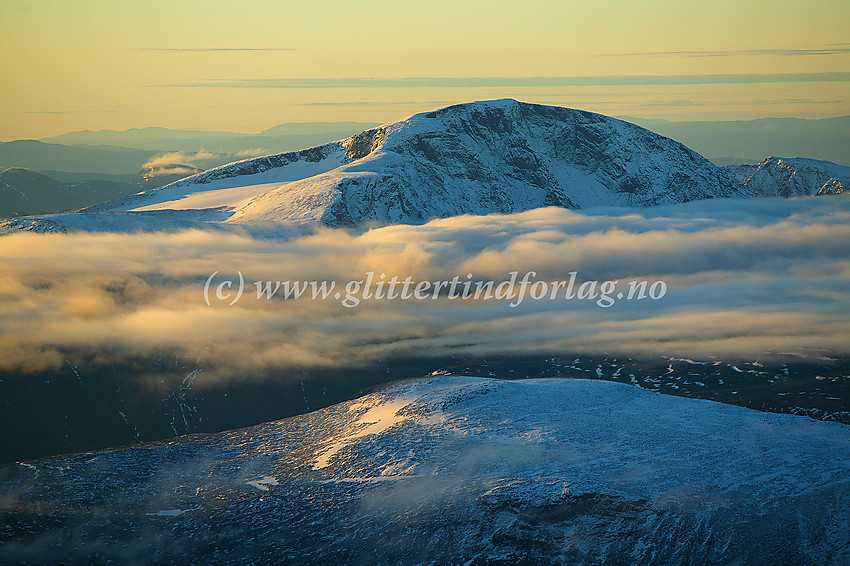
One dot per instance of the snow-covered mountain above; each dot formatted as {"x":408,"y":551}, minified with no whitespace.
{"x":483,"y":157}
{"x":454,"y":470}
{"x":501,"y":156}
{"x":798,"y":176}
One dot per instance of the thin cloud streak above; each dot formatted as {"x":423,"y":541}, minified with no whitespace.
{"x":736,"y":52}
{"x":207,"y":49}
{"x":59,"y":112}
{"x":515,"y":82}
{"x":688,"y":102}
{"x":376,"y":103}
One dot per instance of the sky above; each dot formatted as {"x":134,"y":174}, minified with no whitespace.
{"x":247,"y":66}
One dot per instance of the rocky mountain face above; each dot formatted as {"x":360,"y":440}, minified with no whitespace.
{"x":485,"y":157}
{"x":788,"y":177}
{"x":158,"y":175}
{"x":501,"y":156}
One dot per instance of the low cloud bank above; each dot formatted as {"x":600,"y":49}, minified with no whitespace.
{"x":744,"y":278}
{"x":170,"y":163}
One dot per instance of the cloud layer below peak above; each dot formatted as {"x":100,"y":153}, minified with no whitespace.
{"x":743,"y":278}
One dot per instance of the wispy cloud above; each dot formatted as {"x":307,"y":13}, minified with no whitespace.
{"x":207,"y":49}
{"x":516,"y":82}
{"x":378,"y":103}
{"x":682,"y":102}
{"x":66,"y":111}
{"x":176,"y":161}
{"x":51,"y":112}
{"x":688,"y":102}
{"x":834,"y":50}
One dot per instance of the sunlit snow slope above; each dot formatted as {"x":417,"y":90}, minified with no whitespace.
{"x":478,"y":158}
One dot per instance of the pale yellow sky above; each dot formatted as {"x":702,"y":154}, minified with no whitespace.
{"x":92,"y":64}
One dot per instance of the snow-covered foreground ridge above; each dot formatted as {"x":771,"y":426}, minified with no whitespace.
{"x":447,"y":469}
{"x":581,"y":435}
{"x":477,"y":158}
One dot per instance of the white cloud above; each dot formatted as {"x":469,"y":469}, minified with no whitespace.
{"x":743,"y":277}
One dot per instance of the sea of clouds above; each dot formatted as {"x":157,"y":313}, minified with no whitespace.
{"x":745,"y":278}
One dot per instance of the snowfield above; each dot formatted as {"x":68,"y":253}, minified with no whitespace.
{"x":461,"y":470}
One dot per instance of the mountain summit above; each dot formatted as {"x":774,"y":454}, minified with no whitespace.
{"x":499,"y":156}
{"x":798,"y":176}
